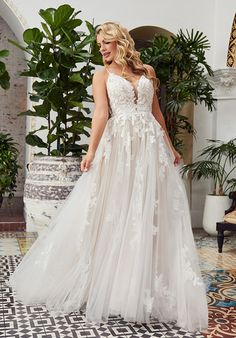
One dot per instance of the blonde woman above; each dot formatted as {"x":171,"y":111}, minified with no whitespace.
{"x":122,"y":243}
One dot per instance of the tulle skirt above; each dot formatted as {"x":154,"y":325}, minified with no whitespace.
{"x":122,"y":243}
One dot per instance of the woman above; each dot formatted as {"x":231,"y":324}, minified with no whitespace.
{"x":122,"y":243}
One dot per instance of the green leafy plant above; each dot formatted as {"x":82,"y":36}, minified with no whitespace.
{"x":60,"y":60}
{"x":216,"y":161}
{"x":181,"y":66}
{"x":4,"y":75}
{"x":8,"y":165}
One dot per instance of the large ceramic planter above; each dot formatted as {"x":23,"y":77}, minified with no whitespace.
{"x":214,"y":211}
{"x":49,"y":181}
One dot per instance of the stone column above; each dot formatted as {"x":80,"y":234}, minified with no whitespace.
{"x":219,"y":124}
{"x":224,"y":119}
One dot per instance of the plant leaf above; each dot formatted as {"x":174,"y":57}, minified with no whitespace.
{"x":35,"y":140}
{"x":76,"y":77}
{"x":47,"y":31}
{"x":62,"y":14}
{"x":48,"y":74}
{"x":4,"y":53}
{"x":48,"y":15}
{"x":32,"y":35}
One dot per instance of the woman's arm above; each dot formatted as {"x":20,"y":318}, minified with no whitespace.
{"x":156,"y":111}
{"x":100,"y":117}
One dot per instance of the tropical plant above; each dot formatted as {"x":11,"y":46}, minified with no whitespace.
{"x":4,"y":75}
{"x":181,"y":66}
{"x":8,"y":165}
{"x":216,"y":161}
{"x":60,"y":61}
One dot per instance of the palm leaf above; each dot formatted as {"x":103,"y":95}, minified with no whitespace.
{"x":202,"y":169}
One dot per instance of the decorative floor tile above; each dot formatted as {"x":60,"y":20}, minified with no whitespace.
{"x":25,"y":240}
{"x":16,"y":243}
{"x":9,"y":246}
{"x":222,"y":288}
{"x":6,"y":234}
{"x":204,"y":240}
{"x":222,"y":322}
{"x":20,"y":321}
{"x":210,"y":258}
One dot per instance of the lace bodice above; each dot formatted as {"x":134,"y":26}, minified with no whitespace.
{"x":126,"y":98}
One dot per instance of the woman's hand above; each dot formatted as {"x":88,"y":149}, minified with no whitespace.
{"x":87,"y":161}
{"x":177,"y":157}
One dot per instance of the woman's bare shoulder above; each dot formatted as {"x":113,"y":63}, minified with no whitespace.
{"x":100,"y":75}
{"x":150,"y":70}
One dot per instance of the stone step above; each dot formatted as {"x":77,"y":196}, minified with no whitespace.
{"x":11,"y":215}
{"x":12,"y":226}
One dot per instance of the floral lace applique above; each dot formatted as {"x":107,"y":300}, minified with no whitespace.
{"x":137,"y":212}
{"x":107,"y":147}
{"x":92,"y":204}
{"x":163,"y":158}
{"x":136,"y":237}
{"x":93,"y":197}
{"x":162,"y":292}
{"x":156,"y":206}
{"x":148,"y":301}
{"x":189,"y":273}
{"x":121,"y":95}
{"x":177,"y":203}
{"x":155,"y":230}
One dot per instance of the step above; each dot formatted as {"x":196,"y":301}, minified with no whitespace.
{"x":12,"y":222}
{"x":11,"y":215}
{"x":12,"y":226}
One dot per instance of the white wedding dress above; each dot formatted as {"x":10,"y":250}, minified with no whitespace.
{"x":122,"y":242}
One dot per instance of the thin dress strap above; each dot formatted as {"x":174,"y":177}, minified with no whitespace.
{"x":108,"y":100}
{"x":107,"y":70}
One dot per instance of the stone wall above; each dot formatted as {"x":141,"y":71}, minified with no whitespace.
{"x":14,"y":100}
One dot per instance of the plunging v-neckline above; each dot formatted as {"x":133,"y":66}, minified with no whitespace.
{"x":134,"y":85}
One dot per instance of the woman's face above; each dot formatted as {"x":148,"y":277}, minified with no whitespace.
{"x":107,"y":49}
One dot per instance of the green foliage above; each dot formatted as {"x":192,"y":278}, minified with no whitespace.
{"x":61,"y":59}
{"x":181,"y":67}
{"x":8,"y":165}
{"x":4,"y":75}
{"x":216,"y":161}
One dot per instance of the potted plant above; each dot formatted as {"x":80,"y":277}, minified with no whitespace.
{"x":4,"y":75}
{"x":61,"y":57}
{"x":181,"y":66}
{"x":8,"y":166}
{"x":218,"y":162}
{"x":8,"y":152}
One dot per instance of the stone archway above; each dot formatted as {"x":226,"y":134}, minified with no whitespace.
{"x":143,"y":34}
{"x":12,"y":102}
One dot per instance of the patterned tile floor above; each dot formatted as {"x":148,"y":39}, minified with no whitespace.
{"x":20,"y":321}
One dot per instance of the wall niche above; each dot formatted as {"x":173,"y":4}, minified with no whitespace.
{"x":12,"y":102}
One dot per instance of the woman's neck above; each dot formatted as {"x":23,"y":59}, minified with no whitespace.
{"x":113,"y":66}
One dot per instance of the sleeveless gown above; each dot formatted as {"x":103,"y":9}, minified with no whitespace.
{"x":122,"y":242}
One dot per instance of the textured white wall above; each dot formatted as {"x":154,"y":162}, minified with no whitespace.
{"x":13,"y":101}
{"x":223,"y":19}
{"x":213,"y":17}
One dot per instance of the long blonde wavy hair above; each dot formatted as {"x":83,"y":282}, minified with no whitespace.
{"x":126,"y":55}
